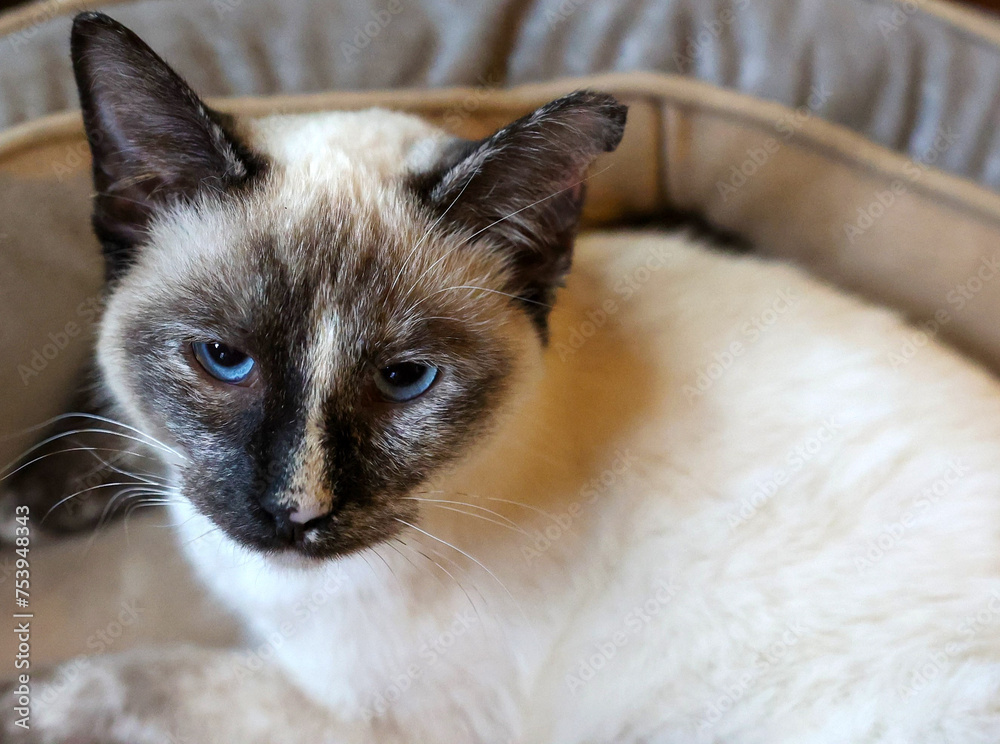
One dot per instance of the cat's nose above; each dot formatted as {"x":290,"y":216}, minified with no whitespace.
{"x":291,"y":523}
{"x":307,"y":513}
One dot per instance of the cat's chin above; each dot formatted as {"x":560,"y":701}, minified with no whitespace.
{"x":307,"y":552}
{"x":316,"y":546}
{"x":296,"y":560}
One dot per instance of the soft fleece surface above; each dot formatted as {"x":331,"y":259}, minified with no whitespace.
{"x":778,"y":175}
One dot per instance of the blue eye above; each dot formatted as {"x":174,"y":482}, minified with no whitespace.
{"x":405,"y":381}
{"x":223,"y":362}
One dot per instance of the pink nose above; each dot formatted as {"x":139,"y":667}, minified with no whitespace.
{"x":308,"y":513}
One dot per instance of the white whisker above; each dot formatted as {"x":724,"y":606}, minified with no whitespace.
{"x":143,"y":477}
{"x":78,"y":493}
{"x":63,"y":452}
{"x":451,"y":576}
{"x":62,"y":435}
{"x":439,"y":503}
{"x":104,"y":419}
{"x":474,"y":560}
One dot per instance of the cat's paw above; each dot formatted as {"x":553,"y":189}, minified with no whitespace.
{"x":88,"y":701}
{"x":180,"y":695}
{"x":83,"y":712}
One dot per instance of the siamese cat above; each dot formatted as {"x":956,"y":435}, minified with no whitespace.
{"x":687,"y":498}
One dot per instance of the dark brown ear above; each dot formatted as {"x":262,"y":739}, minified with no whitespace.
{"x":152,"y":139}
{"x":522,"y":188}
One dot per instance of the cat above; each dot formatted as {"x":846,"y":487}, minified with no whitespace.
{"x":688,"y":497}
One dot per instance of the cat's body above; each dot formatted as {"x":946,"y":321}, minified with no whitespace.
{"x":699,"y":502}
{"x":792,"y":555}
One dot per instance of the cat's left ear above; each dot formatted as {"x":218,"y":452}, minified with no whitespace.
{"x":522,"y":188}
{"x":152,"y":139}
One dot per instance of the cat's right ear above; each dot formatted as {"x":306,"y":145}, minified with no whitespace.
{"x":153,"y":141}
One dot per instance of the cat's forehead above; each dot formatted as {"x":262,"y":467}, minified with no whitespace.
{"x":340,"y":145}
{"x":333,"y":226}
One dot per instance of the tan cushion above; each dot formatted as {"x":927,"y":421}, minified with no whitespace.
{"x":897,"y":71}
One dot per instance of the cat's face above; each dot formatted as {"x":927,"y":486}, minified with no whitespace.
{"x":318,"y":313}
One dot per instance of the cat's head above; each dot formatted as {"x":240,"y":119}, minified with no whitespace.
{"x":319,"y":312}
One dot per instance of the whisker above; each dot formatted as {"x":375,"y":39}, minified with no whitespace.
{"x":123,"y":198}
{"x":459,"y":567}
{"x":109,"y":508}
{"x":140,"y":503}
{"x":104,"y":419}
{"x":497,"y":514}
{"x":96,"y":532}
{"x":114,"y":422}
{"x":204,"y":534}
{"x":474,"y":560}
{"x":529,"y":507}
{"x":394,"y":576}
{"x":78,"y":493}
{"x":367,"y":563}
{"x":62,"y":452}
{"x":143,"y":477}
{"x":451,"y":576}
{"x":65,"y":434}
{"x":440,"y":505}
{"x":424,"y":556}
{"x":177,"y":525}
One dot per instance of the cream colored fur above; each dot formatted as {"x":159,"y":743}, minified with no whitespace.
{"x":717,"y":509}
{"x":858,"y":602}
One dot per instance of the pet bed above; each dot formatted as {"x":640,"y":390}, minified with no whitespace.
{"x":858,"y":139}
